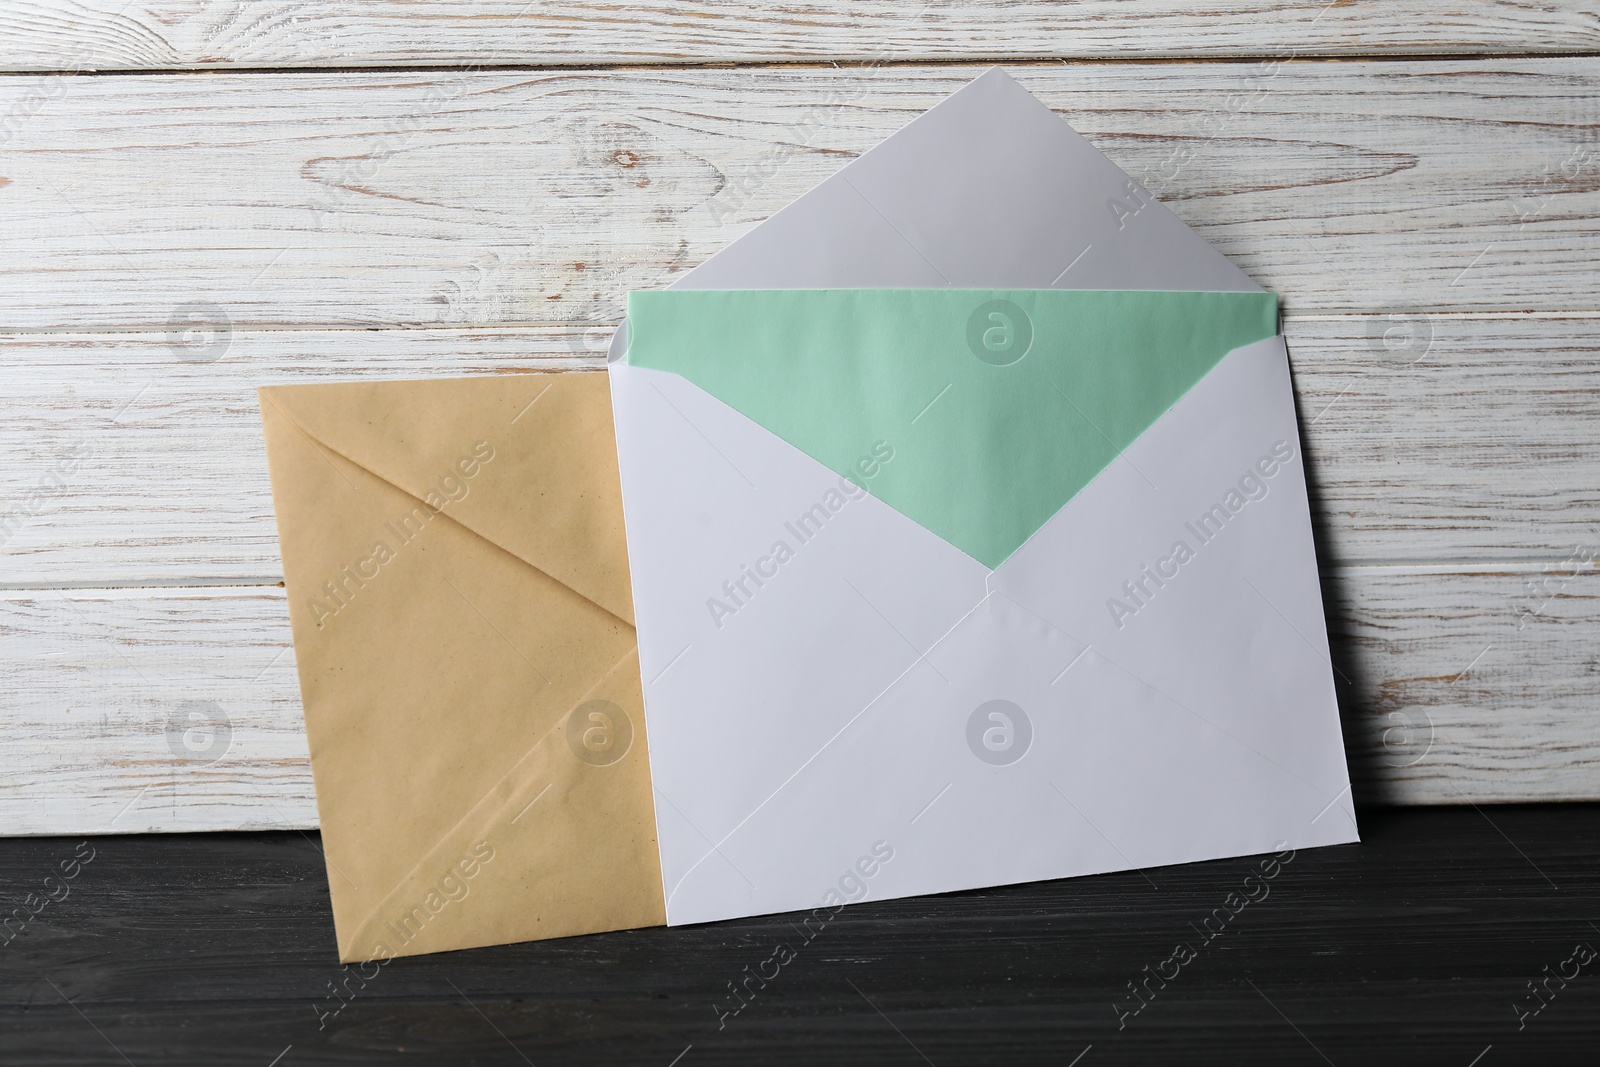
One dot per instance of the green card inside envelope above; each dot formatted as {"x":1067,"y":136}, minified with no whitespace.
{"x":999,"y":405}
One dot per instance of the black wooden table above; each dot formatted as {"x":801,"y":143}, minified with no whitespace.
{"x":1451,"y":936}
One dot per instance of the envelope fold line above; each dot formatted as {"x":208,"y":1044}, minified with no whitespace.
{"x":483,"y":812}
{"x":443,"y":513}
{"x":920,"y":657}
{"x":1010,"y":446}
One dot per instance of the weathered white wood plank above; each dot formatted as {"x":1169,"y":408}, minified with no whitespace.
{"x":474,"y":201}
{"x":1477,"y":685}
{"x":493,"y":198}
{"x":150,"y":709}
{"x":139,"y":459}
{"x":206,"y":34}
{"x":133,"y":459}
{"x":1450,"y":437}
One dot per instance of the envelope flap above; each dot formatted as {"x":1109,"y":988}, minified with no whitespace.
{"x":988,"y":188}
{"x":976,"y":413}
{"x":509,"y":457}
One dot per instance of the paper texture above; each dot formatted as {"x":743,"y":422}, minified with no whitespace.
{"x":996,"y":405}
{"x":458,"y":589}
{"x":848,"y":706}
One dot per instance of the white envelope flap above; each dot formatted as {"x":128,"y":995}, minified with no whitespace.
{"x":987,"y":189}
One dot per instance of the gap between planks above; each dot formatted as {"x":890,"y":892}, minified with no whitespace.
{"x":1328,"y":573}
{"x":289,"y":35}
{"x":998,"y":59}
{"x":137,"y":333}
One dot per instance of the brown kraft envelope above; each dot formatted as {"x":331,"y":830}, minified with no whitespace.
{"x":457,"y":580}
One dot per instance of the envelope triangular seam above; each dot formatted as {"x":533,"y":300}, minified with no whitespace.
{"x":484,"y":812}
{"x":830,"y":372}
{"x":319,"y":445}
{"x":921,"y":657}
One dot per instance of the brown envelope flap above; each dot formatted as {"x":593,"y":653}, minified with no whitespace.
{"x":526,"y":461}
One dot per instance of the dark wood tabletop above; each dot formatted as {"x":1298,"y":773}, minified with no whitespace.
{"x":1457,"y":936}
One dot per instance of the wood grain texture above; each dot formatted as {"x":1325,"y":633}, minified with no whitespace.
{"x":1409,"y":948}
{"x":171,"y":488}
{"x":178,"y":709}
{"x":151,"y":710}
{"x":470,"y":198}
{"x":168,"y":484}
{"x":1461,"y":684}
{"x":207,"y":34}
{"x":170,"y":242}
{"x":1453,"y":438}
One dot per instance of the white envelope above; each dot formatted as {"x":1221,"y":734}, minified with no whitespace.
{"x":892,"y":717}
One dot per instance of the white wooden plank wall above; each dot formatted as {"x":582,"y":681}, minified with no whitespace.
{"x":198,"y":198}
{"x":206,"y":34}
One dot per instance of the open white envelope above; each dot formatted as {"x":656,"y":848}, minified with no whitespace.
{"x":888,"y":716}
